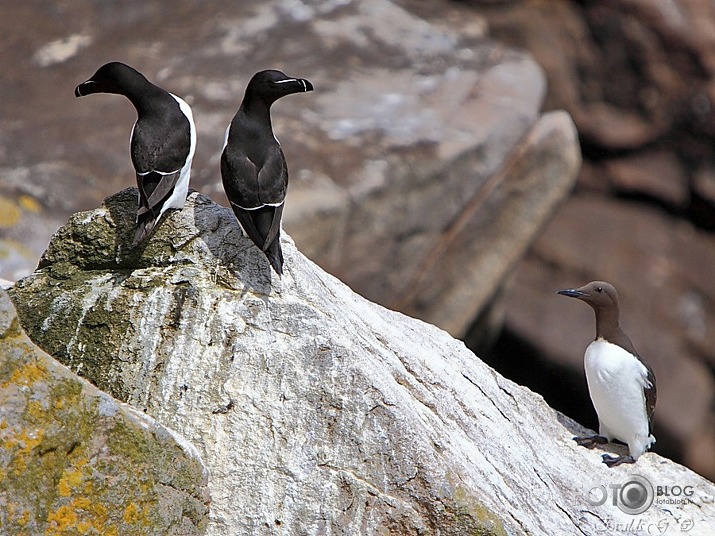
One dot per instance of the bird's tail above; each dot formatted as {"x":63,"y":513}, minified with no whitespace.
{"x":145,"y":225}
{"x":275,"y":255}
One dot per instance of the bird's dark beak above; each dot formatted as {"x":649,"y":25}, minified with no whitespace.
{"x":295,"y":85}
{"x":86,"y":88}
{"x":300,"y":85}
{"x":572,"y":293}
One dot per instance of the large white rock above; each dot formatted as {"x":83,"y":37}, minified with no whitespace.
{"x":316,"y":411}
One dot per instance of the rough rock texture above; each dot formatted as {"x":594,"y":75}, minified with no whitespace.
{"x":412,"y":126}
{"x":73,"y":460}
{"x":631,"y":72}
{"x":638,"y":77}
{"x":457,"y":277}
{"x":316,"y":411}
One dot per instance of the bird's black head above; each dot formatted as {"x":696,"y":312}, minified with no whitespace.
{"x":598,"y":294}
{"x":269,"y":86}
{"x":114,"y":77}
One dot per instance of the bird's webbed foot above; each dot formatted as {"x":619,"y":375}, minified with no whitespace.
{"x":615,"y":461}
{"x":591,"y":441}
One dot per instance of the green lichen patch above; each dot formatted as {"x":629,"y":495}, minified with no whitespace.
{"x":472,"y":517}
{"x":101,"y":240}
{"x":92,"y":240}
{"x":458,"y":512}
{"x":53,"y":313}
{"x":75,"y":461}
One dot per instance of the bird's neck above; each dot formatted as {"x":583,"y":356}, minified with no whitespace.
{"x":257,"y":112}
{"x":607,"y":324}
{"x":138,"y":94}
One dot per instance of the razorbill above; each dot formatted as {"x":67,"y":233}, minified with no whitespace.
{"x":253,"y":168}
{"x":621,"y":386}
{"x":162,"y":141}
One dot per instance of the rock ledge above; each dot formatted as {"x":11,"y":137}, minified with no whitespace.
{"x":316,"y":411}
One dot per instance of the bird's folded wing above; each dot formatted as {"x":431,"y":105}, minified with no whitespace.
{"x":249,"y":226}
{"x":154,"y":188}
{"x":651,"y":394}
{"x":273,"y":178}
{"x":275,"y":227}
{"x":262,"y":224}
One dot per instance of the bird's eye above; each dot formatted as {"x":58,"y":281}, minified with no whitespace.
{"x":599,"y":289}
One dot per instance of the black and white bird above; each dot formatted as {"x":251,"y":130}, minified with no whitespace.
{"x":621,"y":385}
{"x":162,"y":141}
{"x":253,"y":168}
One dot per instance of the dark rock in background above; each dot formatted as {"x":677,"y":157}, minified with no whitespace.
{"x":638,"y":77}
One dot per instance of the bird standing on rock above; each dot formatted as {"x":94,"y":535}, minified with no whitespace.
{"x":253,"y":167}
{"x":162,"y":141}
{"x":621,"y":385}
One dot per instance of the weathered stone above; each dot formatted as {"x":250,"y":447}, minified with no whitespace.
{"x":636,"y":76}
{"x":629,"y":72}
{"x":73,"y":460}
{"x":412,"y":121}
{"x":458,"y":275}
{"x":656,"y":174}
{"x":316,"y":411}
{"x":704,"y":186}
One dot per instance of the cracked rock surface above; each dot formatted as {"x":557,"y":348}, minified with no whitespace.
{"x":73,"y":460}
{"x":315,"y":411}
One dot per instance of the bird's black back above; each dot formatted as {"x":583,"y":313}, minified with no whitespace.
{"x":253,"y":167}
{"x":161,"y":139}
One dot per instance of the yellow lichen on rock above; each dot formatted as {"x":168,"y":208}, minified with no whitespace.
{"x":80,"y":516}
{"x":25,"y":375}
{"x":68,"y":466}
{"x":131,"y":514}
{"x":20,"y":444}
{"x":71,"y":479}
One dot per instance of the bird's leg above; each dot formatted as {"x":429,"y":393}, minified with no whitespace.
{"x":591,"y":441}
{"x":614,"y":461}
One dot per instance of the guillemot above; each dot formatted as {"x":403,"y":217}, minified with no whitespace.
{"x":253,"y":167}
{"x":162,"y":141}
{"x":621,"y":385}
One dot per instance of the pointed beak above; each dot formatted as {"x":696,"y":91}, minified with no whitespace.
{"x":296,"y":85}
{"x":572,"y":293}
{"x":86,"y":88}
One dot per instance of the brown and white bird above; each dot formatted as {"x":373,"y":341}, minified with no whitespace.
{"x":253,"y":167}
{"x":621,"y":385}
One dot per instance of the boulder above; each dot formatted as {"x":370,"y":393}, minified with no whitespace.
{"x":74,"y":460}
{"x":414,"y":123}
{"x":315,"y":410}
{"x":459,"y":275}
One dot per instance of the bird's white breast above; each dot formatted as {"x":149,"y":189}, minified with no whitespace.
{"x":616,"y":379}
{"x":181,"y":189}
